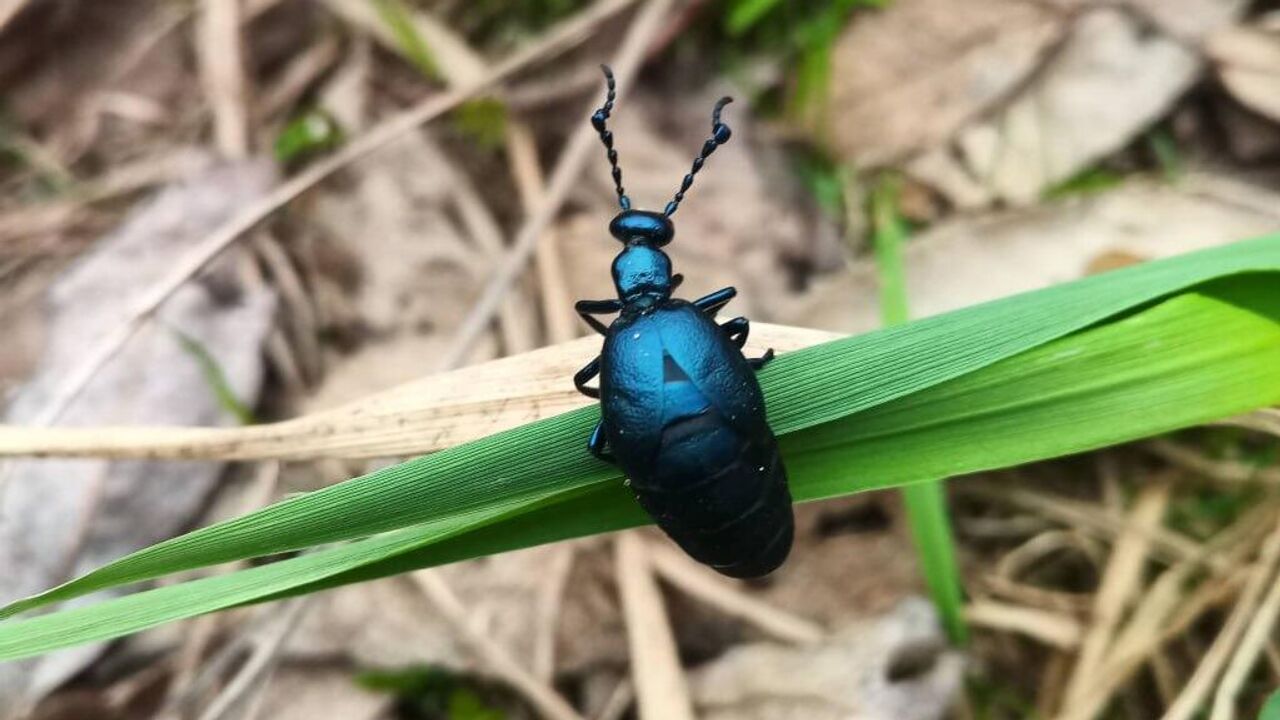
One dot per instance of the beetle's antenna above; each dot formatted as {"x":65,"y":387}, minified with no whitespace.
{"x":598,"y":121}
{"x":719,"y":135}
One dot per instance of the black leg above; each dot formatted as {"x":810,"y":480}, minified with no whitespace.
{"x":587,"y":308}
{"x":597,"y":442}
{"x":583,"y":376}
{"x":711,"y":304}
{"x":737,"y":329}
{"x":676,"y":281}
{"x":757,"y":363}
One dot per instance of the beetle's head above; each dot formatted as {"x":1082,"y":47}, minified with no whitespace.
{"x":642,"y":226}
{"x":642,"y":274}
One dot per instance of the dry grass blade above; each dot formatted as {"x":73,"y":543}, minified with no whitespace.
{"x":431,"y":414}
{"x":1121,"y":581}
{"x":558,"y":39}
{"x":701,"y":583}
{"x":655,"y":665}
{"x":1051,"y":628}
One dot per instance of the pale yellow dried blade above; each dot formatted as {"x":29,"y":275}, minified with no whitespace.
{"x":419,"y":417}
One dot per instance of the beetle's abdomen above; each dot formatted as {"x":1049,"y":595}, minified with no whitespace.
{"x":720,"y":495}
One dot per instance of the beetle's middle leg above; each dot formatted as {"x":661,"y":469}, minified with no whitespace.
{"x":587,"y":308}
{"x":597,"y":443}
{"x":583,"y":376}
{"x":738,"y":329}
{"x":711,"y":303}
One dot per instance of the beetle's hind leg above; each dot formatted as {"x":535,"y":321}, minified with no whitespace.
{"x":713,"y":302}
{"x":597,"y":443}
{"x":738,"y":329}
{"x":583,"y":376}
{"x":757,"y":363}
{"x":587,"y":308}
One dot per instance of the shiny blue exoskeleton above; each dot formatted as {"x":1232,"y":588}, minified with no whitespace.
{"x":681,"y":411}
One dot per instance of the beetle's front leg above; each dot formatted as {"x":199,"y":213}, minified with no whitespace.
{"x":587,"y":308}
{"x":597,"y":443}
{"x":583,"y":376}
{"x":711,"y":303}
{"x":738,"y":329}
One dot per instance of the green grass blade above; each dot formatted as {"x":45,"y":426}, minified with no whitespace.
{"x":399,"y":20}
{"x":926,"y":502}
{"x":817,"y":388}
{"x":1190,"y":359}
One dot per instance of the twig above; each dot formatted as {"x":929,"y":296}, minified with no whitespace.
{"x":260,"y":663}
{"x":1246,"y":656}
{"x":624,"y":693}
{"x":1224,"y":471}
{"x":1056,"y":629}
{"x":515,"y":318}
{"x":221,"y":55}
{"x":655,"y":664}
{"x":1154,"y":621}
{"x":557,"y":40}
{"x":545,"y":701}
{"x":703,"y":584}
{"x":297,"y":76}
{"x":1201,"y":682}
{"x":9,"y":10}
{"x":1265,"y":421}
{"x":1120,"y":581}
{"x":1165,"y":543}
{"x":557,"y":308}
{"x":566,"y":174}
{"x":547,"y":610}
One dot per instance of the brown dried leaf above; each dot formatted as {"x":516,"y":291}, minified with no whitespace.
{"x":909,"y":77}
{"x":64,"y":518}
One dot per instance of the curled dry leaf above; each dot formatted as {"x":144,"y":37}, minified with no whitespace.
{"x":1030,"y":92}
{"x":896,"y":667}
{"x":1110,"y":80}
{"x":909,"y":77}
{"x":63,"y":518}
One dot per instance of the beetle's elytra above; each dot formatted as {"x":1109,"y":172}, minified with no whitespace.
{"x":681,"y":411}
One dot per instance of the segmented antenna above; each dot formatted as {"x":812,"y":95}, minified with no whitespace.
{"x":598,"y":121}
{"x":719,"y":135}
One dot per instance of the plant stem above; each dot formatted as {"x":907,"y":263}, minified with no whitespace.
{"x":926,"y":502}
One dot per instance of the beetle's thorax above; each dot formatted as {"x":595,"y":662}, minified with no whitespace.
{"x":642,"y":276}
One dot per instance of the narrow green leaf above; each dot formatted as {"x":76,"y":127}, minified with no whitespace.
{"x":1271,"y":708}
{"x":926,"y":502}
{"x":746,"y":13}
{"x":399,"y":20}
{"x":215,"y":378}
{"x":1193,"y":358}
{"x":804,"y":389}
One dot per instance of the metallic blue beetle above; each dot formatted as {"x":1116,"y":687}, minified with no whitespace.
{"x":681,"y":411}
